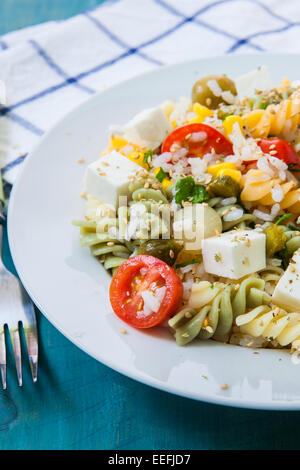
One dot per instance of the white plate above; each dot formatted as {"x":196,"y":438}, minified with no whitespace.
{"x":71,"y":288}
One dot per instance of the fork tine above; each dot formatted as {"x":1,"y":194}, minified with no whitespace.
{"x":16,"y":344}
{"x":3,"y":358}
{"x":32,"y":348}
{"x":28,"y":320}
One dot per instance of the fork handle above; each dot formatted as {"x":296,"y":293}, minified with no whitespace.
{"x":1,"y":233}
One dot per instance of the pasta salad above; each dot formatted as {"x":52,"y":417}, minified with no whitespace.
{"x":194,"y":209}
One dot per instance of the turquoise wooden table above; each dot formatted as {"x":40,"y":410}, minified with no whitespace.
{"x":78,"y":403}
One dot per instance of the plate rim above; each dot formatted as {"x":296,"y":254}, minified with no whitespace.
{"x":201,"y":396}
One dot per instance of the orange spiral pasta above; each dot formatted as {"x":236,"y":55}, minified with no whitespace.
{"x":279,"y":120}
{"x":260,"y":189}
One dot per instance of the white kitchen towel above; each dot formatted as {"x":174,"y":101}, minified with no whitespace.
{"x":50,"y":68}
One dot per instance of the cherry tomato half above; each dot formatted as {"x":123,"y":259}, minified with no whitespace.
{"x":215,"y":140}
{"x":140,"y":274}
{"x":284,"y":149}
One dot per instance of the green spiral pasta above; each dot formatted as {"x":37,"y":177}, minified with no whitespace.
{"x":109,"y":250}
{"x":114,"y":237}
{"x":154,"y":219}
{"x":242,"y":222}
{"x":273,"y":324}
{"x":292,"y":240}
{"x":213,"y":309}
{"x":101,"y":234}
{"x":271,"y":275}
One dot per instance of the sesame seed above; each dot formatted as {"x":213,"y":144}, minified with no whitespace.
{"x":110,"y":243}
{"x":83,"y":195}
{"x":102,"y":173}
{"x":171,"y":254}
{"x":209,"y":329}
{"x":188,"y":315}
{"x":123,"y":331}
{"x":224,"y":387}
{"x":80,"y":160}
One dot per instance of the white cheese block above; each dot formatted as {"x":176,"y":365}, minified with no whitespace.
{"x":194,"y":223}
{"x":235,"y":254}
{"x":148,"y":129}
{"x":259,"y":79}
{"x":287,"y":291}
{"x":107,"y":178}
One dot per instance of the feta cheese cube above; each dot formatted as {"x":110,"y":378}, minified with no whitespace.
{"x":148,"y":129}
{"x":107,"y":178}
{"x":235,"y":254}
{"x":287,"y":291}
{"x":259,"y":79}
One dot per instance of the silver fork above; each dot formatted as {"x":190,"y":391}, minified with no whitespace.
{"x":16,"y":309}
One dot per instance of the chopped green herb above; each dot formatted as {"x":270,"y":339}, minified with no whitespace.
{"x":161,"y":175}
{"x":187,"y":190}
{"x":147,"y":155}
{"x":292,"y":167}
{"x":282,"y":218}
{"x":283,"y":255}
{"x":187,"y":263}
{"x":200,"y":194}
{"x":184,"y":189}
{"x":264,"y":105}
{"x":293,"y":227}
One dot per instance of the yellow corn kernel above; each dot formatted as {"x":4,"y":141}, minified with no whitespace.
{"x":137,"y":157}
{"x":259,"y":122}
{"x":202,"y":113}
{"x":230,"y":121}
{"x":234,"y":174}
{"x":166,"y":182}
{"x":215,"y":169}
{"x":116,"y":142}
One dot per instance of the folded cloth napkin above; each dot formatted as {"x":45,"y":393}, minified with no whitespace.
{"x":51,"y":68}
